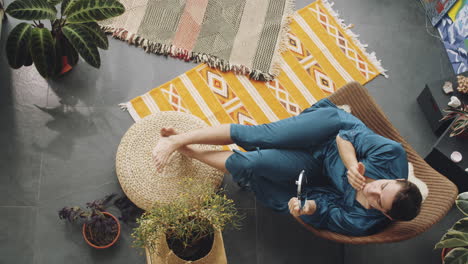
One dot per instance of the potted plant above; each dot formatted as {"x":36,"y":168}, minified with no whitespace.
{"x":55,"y":50}
{"x":454,"y":243}
{"x":460,"y":116}
{"x":189,"y":228}
{"x":100,"y":228}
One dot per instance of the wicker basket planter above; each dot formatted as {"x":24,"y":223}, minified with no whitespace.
{"x":164,"y":255}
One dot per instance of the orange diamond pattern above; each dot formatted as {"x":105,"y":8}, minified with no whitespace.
{"x":341,"y":41}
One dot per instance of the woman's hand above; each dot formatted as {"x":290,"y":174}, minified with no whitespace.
{"x":294,"y":207}
{"x":356,"y":176}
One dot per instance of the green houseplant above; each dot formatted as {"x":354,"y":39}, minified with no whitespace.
{"x":460,"y":116}
{"x":188,"y":226}
{"x":74,"y":32}
{"x":100,"y":228}
{"x":455,"y":241}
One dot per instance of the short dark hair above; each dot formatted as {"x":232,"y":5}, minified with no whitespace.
{"x":407,"y":203}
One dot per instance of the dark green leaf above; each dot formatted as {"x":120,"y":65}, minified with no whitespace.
{"x":43,"y":51}
{"x":28,"y":61}
{"x":59,"y":50}
{"x":451,"y":243}
{"x":457,"y":256}
{"x":18,"y":45}
{"x":100,"y":38}
{"x":71,"y":53}
{"x":461,"y":225}
{"x":54,"y":2}
{"x":94,"y":10}
{"x":462,"y":202}
{"x":83,"y":42}
{"x":31,"y":10}
{"x":66,"y":5}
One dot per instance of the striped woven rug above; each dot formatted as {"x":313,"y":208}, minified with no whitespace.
{"x":323,"y":55}
{"x":244,"y":36}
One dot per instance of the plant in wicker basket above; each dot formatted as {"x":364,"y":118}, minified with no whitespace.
{"x":455,"y":242}
{"x":189,"y":222}
{"x":100,"y":228}
{"x":55,"y":49}
{"x":461,"y":119}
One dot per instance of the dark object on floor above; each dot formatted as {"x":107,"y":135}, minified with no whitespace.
{"x":433,"y":101}
{"x":442,"y":192}
{"x":439,"y":159}
{"x":129,"y":212}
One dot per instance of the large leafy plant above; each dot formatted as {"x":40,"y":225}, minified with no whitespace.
{"x":456,"y":237}
{"x":74,"y":32}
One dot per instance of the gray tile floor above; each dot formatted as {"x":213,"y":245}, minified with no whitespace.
{"x":52,"y":160}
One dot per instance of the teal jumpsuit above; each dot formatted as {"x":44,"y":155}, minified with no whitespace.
{"x":277,"y":152}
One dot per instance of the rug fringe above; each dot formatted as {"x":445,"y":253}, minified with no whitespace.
{"x":183,"y":54}
{"x":124,"y":106}
{"x":283,"y":39}
{"x":354,"y":37}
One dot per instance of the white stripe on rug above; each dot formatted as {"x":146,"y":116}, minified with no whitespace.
{"x":199,"y":99}
{"x":248,"y":35}
{"x":257,"y":98}
{"x":303,"y":24}
{"x":297,"y":82}
{"x":150,"y":103}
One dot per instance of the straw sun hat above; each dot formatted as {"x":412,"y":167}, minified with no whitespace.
{"x":136,"y":170}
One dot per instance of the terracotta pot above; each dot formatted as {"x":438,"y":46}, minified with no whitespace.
{"x":65,"y":66}
{"x":113,"y":241}
{"x":444,"y":253}
{"x":164,"y":255}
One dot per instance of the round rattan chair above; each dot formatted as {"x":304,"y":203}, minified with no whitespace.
{"x":442,"y":192}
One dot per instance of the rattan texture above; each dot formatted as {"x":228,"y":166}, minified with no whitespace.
{"x":442,"y":192}
{"x":135,"y":168}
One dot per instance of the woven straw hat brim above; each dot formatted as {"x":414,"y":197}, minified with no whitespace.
{"x":136,"y":170}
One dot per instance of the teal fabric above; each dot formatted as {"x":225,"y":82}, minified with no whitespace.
{"x":279,"y":151}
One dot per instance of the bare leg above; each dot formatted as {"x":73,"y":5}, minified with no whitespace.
{"x":219,"y":135}
{"x":214,"y":158}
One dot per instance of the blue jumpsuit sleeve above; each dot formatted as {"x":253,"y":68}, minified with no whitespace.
{"x":382,"y":157}
{"x":331,"y":215}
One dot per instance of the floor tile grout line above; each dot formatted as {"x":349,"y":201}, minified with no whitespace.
{"x":35,"y":253}
{"x":40,"y":178}
{"x":18,"y":206}
{"x":257,"y":256}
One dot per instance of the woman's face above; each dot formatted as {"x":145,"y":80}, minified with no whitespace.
{"x":381,"y":193}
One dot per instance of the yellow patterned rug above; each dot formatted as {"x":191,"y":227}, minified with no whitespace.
{"x":323,"y":55}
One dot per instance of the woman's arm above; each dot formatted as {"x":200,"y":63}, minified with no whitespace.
{"x":355,"y":169}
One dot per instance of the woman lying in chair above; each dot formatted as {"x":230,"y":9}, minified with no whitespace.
{"x":356,"y":179}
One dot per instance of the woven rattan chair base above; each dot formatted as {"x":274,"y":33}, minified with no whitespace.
{"x":135,"y":168}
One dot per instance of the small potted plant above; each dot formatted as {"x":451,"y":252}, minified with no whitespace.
{"x":189,"y":228}
{"x":460,"y":116}
{"x":454,"y":243}
{"x":54,"y":51}
{"x":100,"y":228}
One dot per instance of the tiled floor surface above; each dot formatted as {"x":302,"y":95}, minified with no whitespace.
{"x":48,"y":161}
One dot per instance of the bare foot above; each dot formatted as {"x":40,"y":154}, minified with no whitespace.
{"x":165,"y":147}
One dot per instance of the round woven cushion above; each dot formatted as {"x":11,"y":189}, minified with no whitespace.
{"x":136,"y":170}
